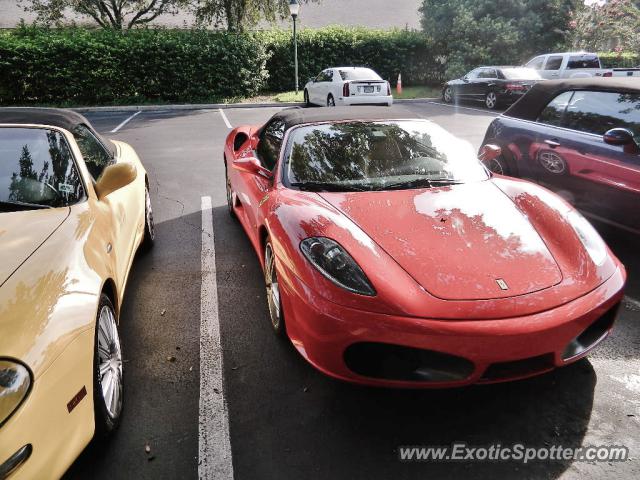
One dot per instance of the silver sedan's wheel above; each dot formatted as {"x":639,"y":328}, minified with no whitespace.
{"x":108,"y":384}
{"x":491,"y":100}
{"x":552,"y":162}
{"x":273,"y":290}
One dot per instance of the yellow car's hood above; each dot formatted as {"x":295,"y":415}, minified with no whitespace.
{"x":21,"y":233}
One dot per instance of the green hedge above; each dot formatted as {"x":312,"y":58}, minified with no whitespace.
{"x":619,"y":60}
{"x":388,"y":52}
{"x":105,"y":66}
{"x":91,"y":66}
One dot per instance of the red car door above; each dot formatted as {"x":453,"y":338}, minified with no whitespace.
{"x":253,"y":188}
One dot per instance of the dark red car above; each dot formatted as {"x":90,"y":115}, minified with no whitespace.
{"x":581,"y":138}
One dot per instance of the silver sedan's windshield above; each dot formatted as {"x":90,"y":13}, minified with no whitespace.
{"x":378,"y":156}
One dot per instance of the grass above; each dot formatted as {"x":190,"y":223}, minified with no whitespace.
{"x":283,"y":97}
{"x":422,"y":91}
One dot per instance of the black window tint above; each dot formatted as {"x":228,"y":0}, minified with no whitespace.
{"x":325,"y":77}
{"x":597,"y":112}
{"x":554,"y":111}
{"x":36,"y":166}
{"x":553,"y":63}
{"x":487,"y":73}
{"x":93,"y":152}
{"x":583,"y":61}
{"x":271,"y":143}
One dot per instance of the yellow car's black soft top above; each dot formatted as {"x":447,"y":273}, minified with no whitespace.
{"x":55,"y":117}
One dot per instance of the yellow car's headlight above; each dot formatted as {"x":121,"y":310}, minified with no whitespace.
{"x":15,"y":383}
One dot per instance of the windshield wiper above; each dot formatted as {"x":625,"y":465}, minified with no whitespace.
{"x":419,"y":182}
{"x":17,"y":206}
{"x":329,"y":187}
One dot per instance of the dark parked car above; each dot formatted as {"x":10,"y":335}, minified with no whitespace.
{"x":580,"y":137}
{"x":492,"y":85}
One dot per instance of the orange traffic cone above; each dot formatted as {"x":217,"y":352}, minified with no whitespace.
{"x":399,"y":85}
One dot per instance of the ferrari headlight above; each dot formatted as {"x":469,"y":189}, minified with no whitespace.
{"x":336,"y":264}
{"x":15,"y":382}
{"x":591,"y":239}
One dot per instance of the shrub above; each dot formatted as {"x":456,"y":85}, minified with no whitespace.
{"x":620,"y":59}
{"x":106,"y":66}
{"x":388,"y":52}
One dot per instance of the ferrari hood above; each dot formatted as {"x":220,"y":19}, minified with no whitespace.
{"x":21,"y":233}
{"x":460,"y":242}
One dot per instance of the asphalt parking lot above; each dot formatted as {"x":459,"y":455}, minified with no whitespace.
{"x":286,"y":420}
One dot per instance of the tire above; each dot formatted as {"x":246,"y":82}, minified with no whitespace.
{"x":552,"y":163}
{"x":230,"y":210}
{"x":307,"y":102}
{"x":149,"y":225}
{"x":272,"y":286}
{"x":331,"y":102}
{"x":491,"y":100}
{"x":448,"y":95}
{"x":107,"y":368}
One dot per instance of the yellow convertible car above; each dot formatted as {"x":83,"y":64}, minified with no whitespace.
{"x":74,"y":208}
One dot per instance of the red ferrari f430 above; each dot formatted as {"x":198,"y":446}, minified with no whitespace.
{"x":393,"y":257}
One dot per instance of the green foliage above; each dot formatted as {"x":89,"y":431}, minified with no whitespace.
{"x":614,"y":24}
{"x":82,"y":66}
{"x":476,"y":32}
{"x":620,"y":59}
{"x":387,"y":52}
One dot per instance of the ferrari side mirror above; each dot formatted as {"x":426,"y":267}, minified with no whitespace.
{"x":114,"y":177}
{"x":253,"y":166}
{"x":488,"y":152}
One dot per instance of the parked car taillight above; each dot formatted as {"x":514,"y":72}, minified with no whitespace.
{"x":514,"y":86}
{"x":345,"y":90}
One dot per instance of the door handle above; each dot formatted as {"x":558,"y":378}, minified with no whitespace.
{"x":552,"y":143}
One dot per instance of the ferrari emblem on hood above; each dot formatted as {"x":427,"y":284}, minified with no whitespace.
{"x":502,"y":284}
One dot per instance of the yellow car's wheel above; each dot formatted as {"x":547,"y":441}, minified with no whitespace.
{"x":149,"y":225}
{"x":107,"y":385}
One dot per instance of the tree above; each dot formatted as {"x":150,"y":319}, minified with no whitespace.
{"x":117,"y":14}
{"x":611,"y":25}
{"x":238,"y":15}
{"x":474,"y":32}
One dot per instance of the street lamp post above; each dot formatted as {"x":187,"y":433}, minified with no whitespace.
{"x":294,"y":8}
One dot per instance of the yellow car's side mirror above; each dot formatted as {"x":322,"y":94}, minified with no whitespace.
{"x":115,"y":177}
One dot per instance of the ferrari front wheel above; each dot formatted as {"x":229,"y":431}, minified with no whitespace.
{"x":232,"y":213}
{"x":107,"y":367}
{"x":273,"y":290}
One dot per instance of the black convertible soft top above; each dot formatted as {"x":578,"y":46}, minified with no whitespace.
{"x":55,"y":117}
{"x":301,"y":116}
{"x":530,"y":105}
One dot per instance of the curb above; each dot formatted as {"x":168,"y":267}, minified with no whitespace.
{"x":213,"y":106}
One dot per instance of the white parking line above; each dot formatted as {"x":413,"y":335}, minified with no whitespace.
{"x":224,"y":117}
{"x":465,"y":108}
{"x":214,"y":449}
{"x":126,"y":121}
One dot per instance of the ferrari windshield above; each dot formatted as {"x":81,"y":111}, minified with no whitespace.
{"x":378,"y":156}
{"x":36,"y":170}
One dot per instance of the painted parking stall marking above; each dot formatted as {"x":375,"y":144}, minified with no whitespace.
{"x":127,"y":120}
{"x":214,"y":445}
{"x":226,"y":120}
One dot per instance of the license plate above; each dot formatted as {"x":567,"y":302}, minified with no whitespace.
{"x":368,"y":89}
